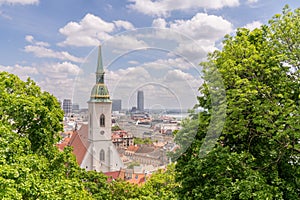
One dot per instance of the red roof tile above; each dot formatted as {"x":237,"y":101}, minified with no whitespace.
{"x":133,"y":148}
{"x":79,"y":142}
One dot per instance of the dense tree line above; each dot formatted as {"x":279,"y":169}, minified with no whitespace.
{"x":257,"y":155}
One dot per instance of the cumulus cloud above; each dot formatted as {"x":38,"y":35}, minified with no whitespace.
{"x":62,"y":88}
{"x":56,"y":78}
{"x":124,"y":24}
{"x":60,"y":70}
{"x":43,"y":52}
{"x":30,"y":39}
{"x":40,"y":49}
{"x":164,"y":7}
{"x":90,"y":30}
{"x":159,"y":23}
{"x":195,"y":37}
{"x":21,"y":2}
{"x":203,"y":26}
{"x":48,"y":53}
{"x":126,"y":42}
{"x":253,"y":25}
{"x":22,"y":71}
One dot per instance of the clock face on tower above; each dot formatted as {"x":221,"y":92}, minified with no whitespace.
{"x":102,"y":132}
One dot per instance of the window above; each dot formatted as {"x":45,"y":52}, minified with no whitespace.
{"x":102,"y":155}
{"x":102,"y":120}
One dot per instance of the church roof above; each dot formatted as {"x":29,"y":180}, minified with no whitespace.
{"x":100,"y":92}
{"x":79,"y":142}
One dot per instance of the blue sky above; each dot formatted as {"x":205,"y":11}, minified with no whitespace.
{"x":153,"y":45}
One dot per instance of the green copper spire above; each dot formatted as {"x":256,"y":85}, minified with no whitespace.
{"x":100,"y":71}
{"x":100,"y":92}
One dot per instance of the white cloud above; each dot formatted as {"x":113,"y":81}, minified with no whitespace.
{"x":60,"y":70}
{"x":203,"y":26}
{"x":159,"y":23}
{"x":43,"y":52}
{"x":124,"y":24}
{"x":252,"y":1}
{"x":90,"y":31}
{"x":56,"y":78}
{"x":175,"y":63}
{"x":126,"y":42}
{"x":22,"y":2}
{"x":253,"y":25}
{"x":164,"y":7}
{"x":61,"y":87}
{"x":195,"y":37}
{"x":133,"y":62}
{"x":195,"y":51}
{"x":30,"y":39}
{"x":22,"y":71}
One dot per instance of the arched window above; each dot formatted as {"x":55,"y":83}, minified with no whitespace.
{"x":102,"y":120}
{"x":102,"y":155}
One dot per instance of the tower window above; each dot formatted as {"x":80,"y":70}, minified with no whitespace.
{"x":102,"y":155}
{"x":102,"y":120}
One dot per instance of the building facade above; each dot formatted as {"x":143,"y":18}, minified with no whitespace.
{"x":140,"y":100}
{"x":116,"y":105}
{"x":67,"y":106}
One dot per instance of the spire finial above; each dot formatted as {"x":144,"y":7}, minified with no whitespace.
{"x":100,"y":71}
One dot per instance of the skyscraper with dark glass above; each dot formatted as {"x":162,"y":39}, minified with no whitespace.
{"x":67,"y":106}
{"x":140,"y":100}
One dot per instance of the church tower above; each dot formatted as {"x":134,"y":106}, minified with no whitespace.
{"x":102,"y":154}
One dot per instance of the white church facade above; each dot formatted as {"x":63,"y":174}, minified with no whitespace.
{"x":92,"y":143}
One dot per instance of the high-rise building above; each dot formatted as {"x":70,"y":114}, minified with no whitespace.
{"x":116,"y":105}
{"x":67,"y":106}
{"x":140,"y":100}
{"x":75,"y":108}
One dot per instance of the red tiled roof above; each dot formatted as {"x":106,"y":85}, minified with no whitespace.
{"x":115,"y":175}
{"x":133,"y":148}
{"x":64,"y":143}
{"x":79,"y":142}
{"x":112,"y":175}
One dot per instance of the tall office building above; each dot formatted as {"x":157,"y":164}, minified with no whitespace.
{"x":67,"y":106}
{"x":140,"y":100}
{"x":116,"y":105}
{"x":75,"y":108}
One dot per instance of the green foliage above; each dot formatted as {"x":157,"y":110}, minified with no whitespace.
{"x":122,"y":190}
{"x":162,"y":184}
{"x":132,"y":164}
{"x":257,"y":155}
{"x":32,"y":113}
{"x":115,"y":128}
{"x":31,"y":167}
{"x":142,"y":141}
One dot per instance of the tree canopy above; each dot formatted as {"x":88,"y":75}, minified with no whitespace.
{"x":31,"y":167}
{"x":257,"y":155}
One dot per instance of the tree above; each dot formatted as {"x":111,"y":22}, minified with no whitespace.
{"x":32,"y":113}
{"x":257,"y":155}
{"x":31,"y":167}
{"x":161,"y":185}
